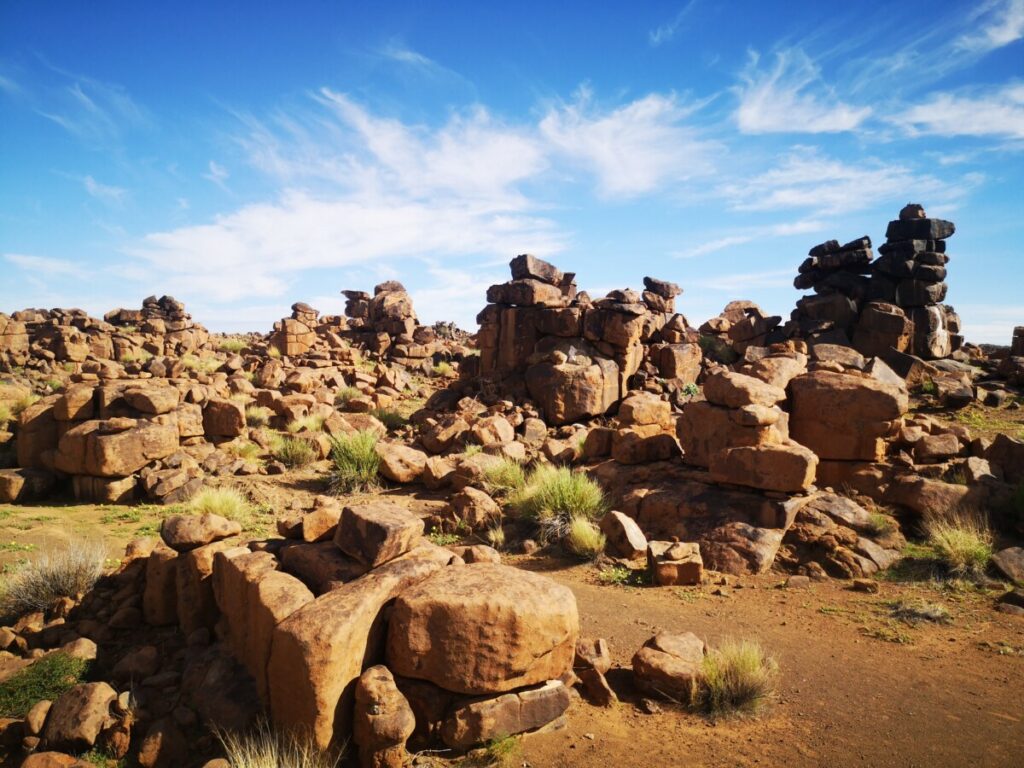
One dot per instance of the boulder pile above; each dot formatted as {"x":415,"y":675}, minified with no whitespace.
{"x":884,"y":306}
{"x":574,"y":356}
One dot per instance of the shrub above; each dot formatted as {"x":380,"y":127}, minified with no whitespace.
{"x":293,"y":452}
{"x":233,"y":346}
{"x":390,"y":418}
{"x":355,"y":462}
{"x":963,"y":542}
{"x":554,"y":495}
{"x":583,"y":538}
{"x":257,"y":416}
{"x":495,"y":537}
{"x":341,"y":399}
{"x":46,"y":678}
{"x":736,"y":677}
{"x":616,"y":574}
{"x":441,"y":538}
{"x":505,"y":477}
{"x":881,"y":524}
{"x":928,"y":387}
{"x":52,"y":574}
{"x":22,"y":403}
{"x":246,"y":451}
{"x":473,"y":450}
{"x":691,"y":389}
{"x":312,"y":422}
{"x":273,"y":352}
{"x":226,"y":502}
{"x":443,"y":369}
{"x":265,"y":748}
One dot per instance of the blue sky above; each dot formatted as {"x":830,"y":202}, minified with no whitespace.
{"x":245,"y":155}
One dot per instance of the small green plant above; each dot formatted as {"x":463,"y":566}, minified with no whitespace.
{"x":553,"y":496}
{"x":583,"y":538}
{"x":46,"y":678}
{"x":690,"y":389}
{"x":52,"y":574}
{"x":257,"y":415}
{"x":233,"y":345}
{"x":223,"y":501}
{"x":273,"y":352}
{"x":499,"y":752}
{"x":244,"y":450}
{"x":473,"y":449}
{"x":346,"y":394}
{"x":313,"y":422}
{"x":23,"y":403}
{"x":53,"y":385}
{"x":293,"y":452}
{"x":963,"y":542}
{"x":718,"y":349}
{"x":263,"y":747}
{"x":928,"y":387}
{"x":356,"y":462}
{"x":390,"y":418}
{"x":441,"y":538}
{"x":880,"y":524}
{"x":616,"y":574}
{"x":504,"y":477}
{"x":443,"y":369}
{"x":737,"y":677}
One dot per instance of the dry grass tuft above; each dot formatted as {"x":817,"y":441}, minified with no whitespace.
{"x":356,"y":463}
{"x":226,"y":502}
{"x":583,"y":538}
{"x":504,"y":478}
{"x":737,"y":677}
{"x":313,"y":422}
{"x":553,"y":496}
{"x":963,"y":542}
{"x":293,"y":452}
{"x":53,"y":574}
{"x":265,"y":748}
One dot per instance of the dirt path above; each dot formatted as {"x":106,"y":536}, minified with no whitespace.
{"x":940,"y":698}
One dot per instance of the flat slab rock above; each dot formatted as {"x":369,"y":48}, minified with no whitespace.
{"x":483,"y":628}
{"x":376,"y":533}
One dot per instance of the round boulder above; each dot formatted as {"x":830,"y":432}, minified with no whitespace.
{"x":483,"y":628}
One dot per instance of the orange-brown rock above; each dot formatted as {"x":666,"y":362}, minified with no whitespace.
{"x":503,"y":628}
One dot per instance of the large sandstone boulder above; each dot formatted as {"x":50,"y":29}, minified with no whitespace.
{"x":186,"y":532}
{"x":788,"y":468}
{"x":115,"y":447}
{"x":670,"y":665}
{"x":400,"y":463}
{"x":78,"y":716}
{"x":843,"y":416}
{"x":223,"y":418}
{"x":483,"y":628}
{"x":568,"y":392}
{"x":705,"y":429}
{"x":377,"y":532}
{"x":319,"y":652}
{"x":484,"y":720}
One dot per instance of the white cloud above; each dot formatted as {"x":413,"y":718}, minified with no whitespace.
{"x":791,"y":98}
{"x":666,"y":32}
{"x":46,"y":266}
{"x":96,"y":112}
{"x":633,"y":149}
{"x":736,"y":283}
{"x":782,"y":229}
{"x":104,"y":192}
{"x":218,"y":174}
{"x":1002,"y":24}
{"x":807,"y":179}
{"x":997,"y":112}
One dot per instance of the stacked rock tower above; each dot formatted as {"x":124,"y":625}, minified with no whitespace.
{"x":878,"y":305}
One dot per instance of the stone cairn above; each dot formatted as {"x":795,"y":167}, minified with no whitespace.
{"x":576,"y":357}
{"x":884,"y":306}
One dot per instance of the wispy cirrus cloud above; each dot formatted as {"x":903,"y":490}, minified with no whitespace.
{"x":105,"y":193}
{"x":633,"y":149}
{"x":1001,"y":22}
{"x":751,"y":234}
{"x":995,"y":112}
{"x":217,"y":174}
{"x":791,"y":97}
{"x":45,"y":266}
{"x":808,"y":179}
{"x":665,"y":32}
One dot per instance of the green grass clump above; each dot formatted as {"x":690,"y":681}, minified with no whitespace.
{"x":257,"y":416}
{"x":273,"y":352}
{"x":264,"y":747}
{"x":345,"y":394}
{"x":443,"y":539}
{"x":46,"y":678}
{"x":356,"y":463}
{"x":233,"y":345}
{"x":5,"y":414}
{"x":963,"y":542}
{"x":443,"y":369}
{"x":928,"y":387}
{"x":293,"y":452}
{"x":200,"y":364}
{"x":22,"y":404}
{"x":505,"y":477}
{"x":472,"y":450}
{"x":553,"y":496}
{"x":226,"y":502}
{"x":50,"y":575}
{"x":390,"y":418}
{"x":245,"y":451}
{"x":583,"y":538}
{"x":737,"y":677}
{"x":313,"y":422}
{"x":880,"y":524}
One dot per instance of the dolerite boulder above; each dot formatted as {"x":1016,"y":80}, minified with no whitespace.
{"x":186,"y":532}
{"x":483,"y":628}
{"x":377,"y":532}
{"x":78,"y":716}
{"x":383,"y":720}
{"x":670,"y":665}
